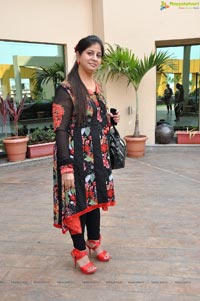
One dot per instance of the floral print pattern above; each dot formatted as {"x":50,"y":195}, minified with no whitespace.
{"x":58,"y":112}
{"x":98,"y":179}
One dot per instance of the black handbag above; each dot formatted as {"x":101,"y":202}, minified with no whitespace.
{"x":117,"y":149}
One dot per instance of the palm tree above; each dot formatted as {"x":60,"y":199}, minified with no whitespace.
{"x":53,"y":73}
{"x":121,"y":61}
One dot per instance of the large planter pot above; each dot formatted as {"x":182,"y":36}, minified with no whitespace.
{"x":135,"y":146}
{"x":16,"y":147}
{"x":164,"y":133}
{"x":40,"y":150}
{"x":184,"y":137}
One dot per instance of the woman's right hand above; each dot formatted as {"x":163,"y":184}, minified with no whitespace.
{"x":113,"y":117}
{"x":68,"y":181}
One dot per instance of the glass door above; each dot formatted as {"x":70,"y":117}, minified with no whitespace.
{"x":184,"y":77}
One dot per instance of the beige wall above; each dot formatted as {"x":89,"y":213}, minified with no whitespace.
{"x":131,"y":23}
{"x":98,"y":18}
{"x":60,"y":21}
{"x":138,"y":24}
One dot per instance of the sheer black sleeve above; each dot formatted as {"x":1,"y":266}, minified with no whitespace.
{"x":62,"y":112}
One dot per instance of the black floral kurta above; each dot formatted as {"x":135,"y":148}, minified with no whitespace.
{"x":83,"y":150}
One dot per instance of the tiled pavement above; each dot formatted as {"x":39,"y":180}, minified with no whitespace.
{"x":153,"y":234}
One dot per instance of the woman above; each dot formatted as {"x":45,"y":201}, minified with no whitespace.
{"x":83,"y":181}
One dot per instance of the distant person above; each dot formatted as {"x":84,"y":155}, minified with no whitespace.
{"x":168,"y":98}
{"x":179,"y":98}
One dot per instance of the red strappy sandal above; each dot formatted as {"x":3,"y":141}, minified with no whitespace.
{"x":102,"y":256}
{"x":86,"y":269}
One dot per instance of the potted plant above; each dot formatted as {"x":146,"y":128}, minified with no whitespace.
{"x":121,"y":61}
{"x":15,"y":145}
{"x":41,"y":143}
{"x":188,"y":137}
{"x":4,"y":113}
{"x":54,"y":73}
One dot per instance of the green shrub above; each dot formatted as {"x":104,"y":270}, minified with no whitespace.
{"x":42,"y":136}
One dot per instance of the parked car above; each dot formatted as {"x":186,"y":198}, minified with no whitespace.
{"x":31,"y":109}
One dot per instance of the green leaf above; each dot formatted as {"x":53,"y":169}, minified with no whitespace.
{"x":88,"y":159}
{"x":122,"y":62}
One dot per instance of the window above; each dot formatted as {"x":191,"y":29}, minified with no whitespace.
{"x":186,"y":57}
{"x":24,"y":71}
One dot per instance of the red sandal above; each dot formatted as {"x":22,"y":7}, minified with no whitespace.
{"x":102,"y":256}
{"x":86,"y":269}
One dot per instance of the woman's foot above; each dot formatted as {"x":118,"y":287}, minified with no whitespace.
{"x":81,"y":258}
{"x":101,"y":254}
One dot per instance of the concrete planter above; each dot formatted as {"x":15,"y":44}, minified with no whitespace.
{"x":184,"y":137}
{"x":16,"y":147}
{"x":135,"y":146}
{"x":40,"y":150}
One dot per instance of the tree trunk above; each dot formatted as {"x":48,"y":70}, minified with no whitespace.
{"x":137,"y":130}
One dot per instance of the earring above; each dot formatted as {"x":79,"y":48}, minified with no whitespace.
{"x":78,"y":62}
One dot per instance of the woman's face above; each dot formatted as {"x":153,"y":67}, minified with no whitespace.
{"x":90,"y":58}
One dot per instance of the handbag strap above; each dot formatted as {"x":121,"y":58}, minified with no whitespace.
{"x":116,"y":133}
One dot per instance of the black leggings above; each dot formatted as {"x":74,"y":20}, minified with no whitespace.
{"x":92,"y":222}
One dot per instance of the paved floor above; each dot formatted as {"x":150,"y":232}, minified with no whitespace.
{"x":191,"y":121}
{"x":153,"y":234}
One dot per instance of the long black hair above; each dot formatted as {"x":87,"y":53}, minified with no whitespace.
{"x":79,"y":90}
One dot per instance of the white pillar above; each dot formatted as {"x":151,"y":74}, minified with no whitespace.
{"x":186,"y":71}
{"x":17,"y":78}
